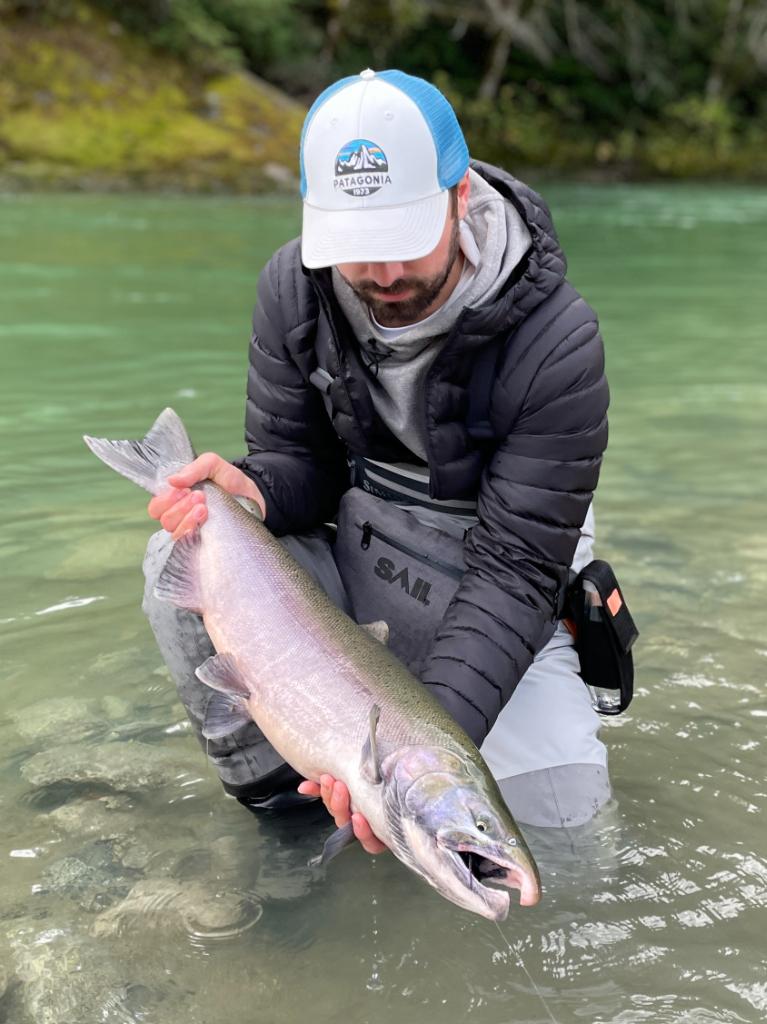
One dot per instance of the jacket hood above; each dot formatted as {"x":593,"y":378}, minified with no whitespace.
{"x":536,"y":276}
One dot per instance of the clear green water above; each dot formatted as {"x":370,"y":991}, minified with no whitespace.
{"x":111,"y":308}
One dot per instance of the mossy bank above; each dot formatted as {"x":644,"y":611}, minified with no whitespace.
{"x":85,"y":105}
{"x":97,"y":95}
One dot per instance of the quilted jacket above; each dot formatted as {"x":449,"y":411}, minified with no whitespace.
{"x":534,"y":482}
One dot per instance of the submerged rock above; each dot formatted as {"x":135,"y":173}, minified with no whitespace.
{"x":159,"y":903}
{"x":55,"y":987}
{"x":106,"y":718}
{"x":130,"y":766}
{"x":72,"y":717}
{"x":137,"y":838}
{"x":67,"y":977}
{"x":86,"y":558}
{"x":94,"y":878}
{"x":103,"y":817}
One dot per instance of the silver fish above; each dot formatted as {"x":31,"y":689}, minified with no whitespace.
{"x":329,"y":696}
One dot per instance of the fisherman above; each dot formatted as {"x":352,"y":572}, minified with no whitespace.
{"x":423,"y":377}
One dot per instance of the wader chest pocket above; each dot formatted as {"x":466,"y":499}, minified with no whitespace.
{"x":397,"y":570}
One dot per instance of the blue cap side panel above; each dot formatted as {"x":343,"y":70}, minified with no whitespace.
{"x":322,"y":98}
{"x":452,"y":152}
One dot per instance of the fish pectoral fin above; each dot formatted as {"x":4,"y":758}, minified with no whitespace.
{"x":334,"y":844}
{"x":221,"y":672}
{"x":224,"y":715}
{"x":379,"y":630}
{"x":179,"y":581}
{"x":369,"y":761}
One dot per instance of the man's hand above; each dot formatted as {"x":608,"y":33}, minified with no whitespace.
{"x":335,"y":796}
{"x":180,"y":509}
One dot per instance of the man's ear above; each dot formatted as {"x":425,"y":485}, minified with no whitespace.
{"x":464,"y":188}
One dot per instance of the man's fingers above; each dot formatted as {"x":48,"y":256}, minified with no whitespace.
{"x":177,"y":513}
{"x":309,"y":788}
{"x":326,"y":789}
{"x":160,"y":504}
{"x":201,"y":469}
{"x":195,"y":518}
{"x":335,"y":796}
{"x":368,"y":840}
{"x":340,"y":803}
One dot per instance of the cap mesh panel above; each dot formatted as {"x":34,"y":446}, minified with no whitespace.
{"x":452,"y":152}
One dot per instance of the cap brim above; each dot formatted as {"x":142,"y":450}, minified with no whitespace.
{"x":378,"y":235}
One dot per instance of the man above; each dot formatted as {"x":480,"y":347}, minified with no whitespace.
{"x":414,"y":270}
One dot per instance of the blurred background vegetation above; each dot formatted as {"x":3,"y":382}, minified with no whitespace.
{"x":210,"y":94}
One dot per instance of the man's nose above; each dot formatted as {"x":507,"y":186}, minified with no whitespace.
{"x":385,"y":274}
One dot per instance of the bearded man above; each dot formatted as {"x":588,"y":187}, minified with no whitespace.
{"x":425,"y":422}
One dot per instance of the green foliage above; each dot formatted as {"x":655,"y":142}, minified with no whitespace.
{"x":81,"y":104}
{"x":216,"y":34}
{"x":650,"y":88}
{"x":219,"y":34}
{"x":627,"y":87}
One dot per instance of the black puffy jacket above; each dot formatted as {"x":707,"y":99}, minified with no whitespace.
{"x":547,"y":409}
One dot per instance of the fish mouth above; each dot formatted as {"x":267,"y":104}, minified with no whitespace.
{"x":476,"y":866}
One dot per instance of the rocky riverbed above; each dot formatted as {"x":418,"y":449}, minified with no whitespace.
{"x":106,"y":859}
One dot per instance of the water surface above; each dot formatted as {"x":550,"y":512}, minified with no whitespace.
{"x":134,"y":891}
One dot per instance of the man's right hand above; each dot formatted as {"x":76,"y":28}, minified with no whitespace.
{"x":180,"y":509}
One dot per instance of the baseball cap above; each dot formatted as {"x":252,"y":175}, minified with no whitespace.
{"x":379,"y":151}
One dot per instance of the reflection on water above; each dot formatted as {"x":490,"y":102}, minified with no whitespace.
{"x":133,"y":890}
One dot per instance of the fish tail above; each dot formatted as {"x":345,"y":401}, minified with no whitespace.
{"x":164,"y":450}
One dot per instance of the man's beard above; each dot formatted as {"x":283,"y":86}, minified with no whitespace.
{"x":424,"y":290}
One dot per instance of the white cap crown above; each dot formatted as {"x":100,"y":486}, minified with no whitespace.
{"x":378,"y":153}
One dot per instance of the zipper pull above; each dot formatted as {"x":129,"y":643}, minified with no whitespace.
{"x":367,"y":533}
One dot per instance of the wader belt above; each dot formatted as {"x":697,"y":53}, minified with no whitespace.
{"x":405,"y":486}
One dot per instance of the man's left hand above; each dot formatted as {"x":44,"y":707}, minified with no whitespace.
{"x":335,"y":796}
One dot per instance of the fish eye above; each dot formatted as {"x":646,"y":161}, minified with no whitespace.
{"x":512,"y":842}
{"x":481,"y":825}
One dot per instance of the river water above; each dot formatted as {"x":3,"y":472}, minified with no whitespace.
{"x":132,"y":890}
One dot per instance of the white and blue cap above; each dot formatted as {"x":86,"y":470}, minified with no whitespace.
{"x":379,"y":151}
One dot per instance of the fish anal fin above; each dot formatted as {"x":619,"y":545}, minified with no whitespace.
{"x":221,"y":672}
{"x":379,"y":630}
{"x":224,"y":714}
{"x":369,"y":764}
{"x":334,"y":844}
{"x":179,"y":581}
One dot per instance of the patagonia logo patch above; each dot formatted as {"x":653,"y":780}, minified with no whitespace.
{"x":361,"y":168}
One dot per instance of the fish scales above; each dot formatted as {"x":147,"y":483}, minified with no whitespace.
{"x":329,"y":696}
{"x":291,"y":618}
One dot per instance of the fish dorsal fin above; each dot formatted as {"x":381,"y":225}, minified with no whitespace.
{"x":225,"y":713}
{"x":369,"y":764}
{"x":334,"y":844}
{"x":179,"y":581}
{"x":221,"y":672}
{"x":379,"y":630}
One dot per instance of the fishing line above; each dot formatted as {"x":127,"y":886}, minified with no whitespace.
{"x":521,"y":963}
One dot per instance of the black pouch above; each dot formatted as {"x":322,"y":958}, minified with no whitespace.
{"x":604,"y":634}
{"x":398,"y":570}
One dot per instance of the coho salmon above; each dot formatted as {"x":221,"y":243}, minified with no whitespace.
{"x":328,"y":695}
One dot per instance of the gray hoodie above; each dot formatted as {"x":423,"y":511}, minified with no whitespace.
{"x":493,"y":238}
